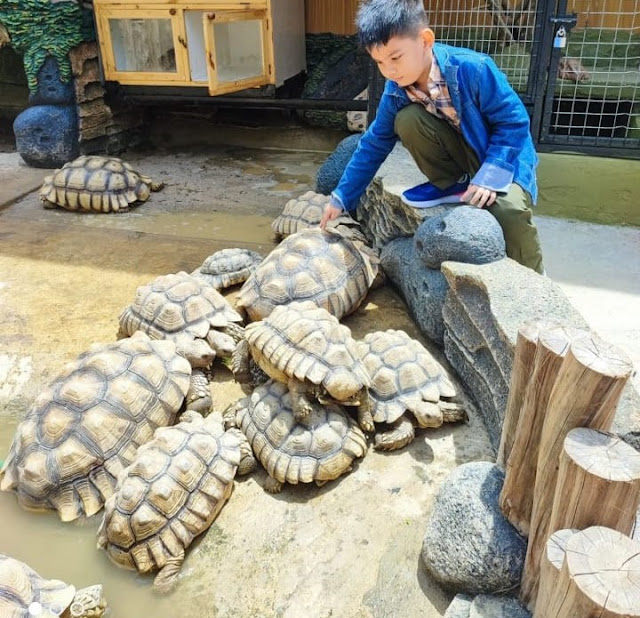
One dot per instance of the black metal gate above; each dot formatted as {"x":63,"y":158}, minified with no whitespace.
{"x":574,"y":63}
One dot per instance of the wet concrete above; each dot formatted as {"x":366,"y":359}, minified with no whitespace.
{"x":348,"y":549}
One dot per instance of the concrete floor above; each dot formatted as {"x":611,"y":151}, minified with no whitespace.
{"x":348,"y":549}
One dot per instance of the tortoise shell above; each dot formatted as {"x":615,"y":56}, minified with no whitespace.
{"x":403,"y":374}
{"x":171,"y":493}
{"x":177,"y":304}
{"x":86,"y":427}
{"x":23,"y":592}
{"x":306,"y":211}
{"x":307,"y":343}
{"x":228,"y":267}
{"x":312,"y":265}
{"x":96,"y":183}
{"x":319,"y":449}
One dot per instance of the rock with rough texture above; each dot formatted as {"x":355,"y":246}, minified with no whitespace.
{"x":423,"y":289}
{"x":485,"y":606}
{"x":469,"y":546}
{"x":47,"y":135}
{"x":51,"y":89}
{"x":331,"y":170}
{"x":462,"y":234}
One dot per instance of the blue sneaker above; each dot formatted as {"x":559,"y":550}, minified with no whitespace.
{"x":427,"y":195}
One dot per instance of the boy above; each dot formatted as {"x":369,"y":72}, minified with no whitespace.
{"x":459,"y":118}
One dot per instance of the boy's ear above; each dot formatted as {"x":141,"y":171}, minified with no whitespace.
{"x":428,"y":37}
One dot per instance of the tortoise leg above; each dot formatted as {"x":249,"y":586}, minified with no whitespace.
{"x":428,"y":414}
{"x":299,"y":402}
{"x":198,"y":395}
{"x":167,"y":578}
{"x":47,"y":204}
{"x":453,"y":412}
{"x":365,"y":418}
{"x":248,"y":461}
{"x":272,"y":485}
{"x":401,"y":435}
{"x":240,"y":359}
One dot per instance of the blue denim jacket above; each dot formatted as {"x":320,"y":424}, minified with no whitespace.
{"x":493,"y":121}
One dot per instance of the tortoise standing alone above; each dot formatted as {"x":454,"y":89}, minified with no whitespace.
{"x":98,"y":184}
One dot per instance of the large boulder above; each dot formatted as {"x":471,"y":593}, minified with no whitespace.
{"x":423,"y":289}
{"x":47,"y":135}
{"x":331,"y":170}
{"x":51,"y":89}
{"x":469,"y":546}
{"x":461,"y":234}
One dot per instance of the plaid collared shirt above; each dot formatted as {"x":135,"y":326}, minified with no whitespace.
{"x":437,"y":101}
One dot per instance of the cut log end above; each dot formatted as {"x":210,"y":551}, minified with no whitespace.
{"x":601,"y":357}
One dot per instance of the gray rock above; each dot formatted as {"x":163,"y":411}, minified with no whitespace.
{"x":469,"y":546}
{"x":485,"y":606}
{"x":423,"y":289}
{"x":331,"y":170}
{"x":483,"y":311}
{"x":51,"y":89}
{"x":462,"y":234}
{"x":459,"y":607}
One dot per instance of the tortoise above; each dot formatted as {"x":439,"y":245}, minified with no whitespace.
{"x":181,"y":307}
{"x":405,"y":377}
{"x":306,"y":348}
{"x":227,"y":267}
{"x":24,"y":593}
{"x":87,"y":425}
{"x":319,"y":448}
{"x":171,"y":493}
{"x":311,"y":265}
{"x":98,"y":184}
{"x":306,"y":211}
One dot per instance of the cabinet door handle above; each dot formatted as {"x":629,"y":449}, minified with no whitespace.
{"x":182,"y":41}
{"x":211,"y":62}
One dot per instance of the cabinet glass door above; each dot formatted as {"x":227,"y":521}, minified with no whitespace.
{"x":142,"y":49}
{"x":236,"y":47}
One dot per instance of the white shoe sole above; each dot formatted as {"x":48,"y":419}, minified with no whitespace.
{"x":451,"y":199}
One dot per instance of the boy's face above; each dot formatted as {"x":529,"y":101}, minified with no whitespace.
{"x":405,"y":59}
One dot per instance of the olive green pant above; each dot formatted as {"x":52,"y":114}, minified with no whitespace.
{"x":443,"y":156}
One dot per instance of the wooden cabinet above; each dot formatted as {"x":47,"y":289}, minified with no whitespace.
{"x":227,"y":46}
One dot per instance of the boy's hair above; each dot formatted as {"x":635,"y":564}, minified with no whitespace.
{"x":379,"y":20}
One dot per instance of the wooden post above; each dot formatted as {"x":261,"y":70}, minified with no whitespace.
{"x":516,"y":497}
{"x":586,"y":393}
{"x":520,"y":374}
{"x":598,"y":483}
{"x":550,"y":565}
{"x":599,"y":578}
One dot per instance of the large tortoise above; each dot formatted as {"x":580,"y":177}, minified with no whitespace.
{"x":405,"y":377}
{"x":171,"y":493}
{"x":24,"y":593}
{"x":98,"y":184}
{"x":306,"y":348}
{"x":185,"y":309}
{"x":319,"y":448}
{"x":312,"y":265}
{"x":306,"y":211}
{"x":87,"y":425}
{"x":227,"y":267}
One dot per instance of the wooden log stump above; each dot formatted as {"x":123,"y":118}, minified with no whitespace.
{"x":516,"y":497}
{"x":523,"y":356}
{"x":599,"y":578}
{"x":586,"y":393}
{"x":550,"y":565}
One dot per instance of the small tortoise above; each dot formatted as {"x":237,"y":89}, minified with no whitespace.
{"x":312,"y":265}
{"x":317,"y":449}
{"x":86,"y":427}
{"x":183,"y":308}
{"x":306,"y":211}
{"x":306,"y":348}
{"x":171,"y":493}
{"x":405,"y":377}
{"x":95,"y":183}
{"x":24,"y":593}
{"x":228,"y":267}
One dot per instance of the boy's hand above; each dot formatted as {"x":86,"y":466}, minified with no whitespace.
{"x":478,"y":196}
{"x":330,"y":213}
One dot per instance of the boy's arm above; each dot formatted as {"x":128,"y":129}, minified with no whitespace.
{"x":508,"y":123}
{"x":373,"y":148}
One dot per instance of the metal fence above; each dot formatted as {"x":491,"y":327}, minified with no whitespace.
{"x":575,"y":63}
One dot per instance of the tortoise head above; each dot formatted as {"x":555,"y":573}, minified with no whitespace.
{"x":342,"y":388}
{"x":197,"y":351}
{"x":88,"y":603}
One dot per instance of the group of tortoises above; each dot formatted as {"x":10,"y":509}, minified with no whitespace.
{"x":104,"y":432}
